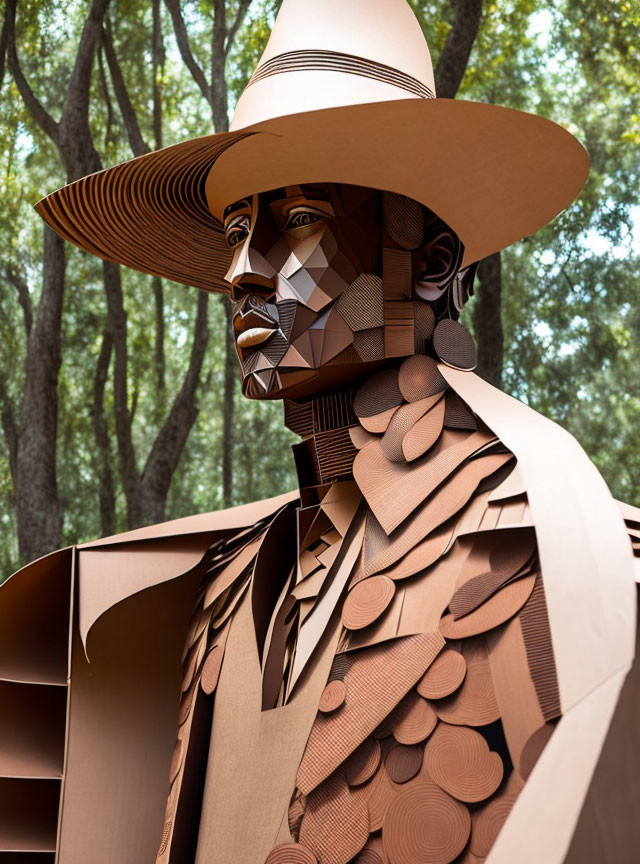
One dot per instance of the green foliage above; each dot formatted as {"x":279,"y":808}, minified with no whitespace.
{"x":571,"y":297}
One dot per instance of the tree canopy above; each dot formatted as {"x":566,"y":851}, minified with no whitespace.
{"x":119,"y":397}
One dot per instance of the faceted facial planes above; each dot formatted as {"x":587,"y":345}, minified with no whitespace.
{"x":311,"y":312}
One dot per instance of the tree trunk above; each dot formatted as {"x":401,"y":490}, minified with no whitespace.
{"x":228,"y":417}
{"x":39,"y":514}
{"x":169,"y":444}
{"x":128,"y":469}
{"x":487,"y":320}
{"x":106,"y":494}
{"x":453,"y":61}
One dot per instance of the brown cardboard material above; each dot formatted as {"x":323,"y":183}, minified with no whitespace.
{"x":591,"y":544}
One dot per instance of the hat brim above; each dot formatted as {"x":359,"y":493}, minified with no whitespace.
{"x":493,"y":174}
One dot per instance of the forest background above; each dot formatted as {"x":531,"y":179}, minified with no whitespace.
{"x":119,"y":394}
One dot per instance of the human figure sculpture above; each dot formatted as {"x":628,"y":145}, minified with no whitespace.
{"x":410,"y":657}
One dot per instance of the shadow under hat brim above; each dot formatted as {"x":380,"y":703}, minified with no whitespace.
{"x":493,"y":174}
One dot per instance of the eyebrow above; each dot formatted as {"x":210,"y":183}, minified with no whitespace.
{"x":244,"y":204}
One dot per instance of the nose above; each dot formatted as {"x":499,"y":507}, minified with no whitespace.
{"x":250,"y":273}
{"x":249,"y":286}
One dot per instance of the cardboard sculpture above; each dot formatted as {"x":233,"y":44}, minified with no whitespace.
{"x":421,"y":655}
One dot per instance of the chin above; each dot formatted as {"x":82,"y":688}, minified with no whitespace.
{"x":307,"y":383}
{"x":288,"y":384}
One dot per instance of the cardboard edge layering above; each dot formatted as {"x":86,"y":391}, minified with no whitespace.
{"x":493,"y":174}
{"x":355,"y":104}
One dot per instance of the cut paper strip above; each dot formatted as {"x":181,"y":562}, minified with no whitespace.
{"x":378,"y":423}
{"x":363,"y":762}
{"x":474,"y":704}
{"x":360,"y":437}
{"x":367,"y":601}
{"x":402,"y":421}
{"x":444,"y":676}
{"x":403,"y":762}
{"x":419,"y":377}
{"x":515,"y":693}
{"x":315,"y":625}
{"x":498,"y":609}
{"x":377,"y":680}
{"x":233,"y":570}
{"x":424,"y":433}
{"x":475,"y":592}
{"x":394,"y":490}
{"x":414,"y":720}
{"x":335,"y":825}
{"x":458,"y":759}
{"x":421,"y":556}
{"x":445,"y":503}
{"x":424,"y":825}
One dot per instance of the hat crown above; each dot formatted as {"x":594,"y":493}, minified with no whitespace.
{"x":330,"y":53}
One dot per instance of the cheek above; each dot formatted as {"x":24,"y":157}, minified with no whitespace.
{"x":311,"y":270}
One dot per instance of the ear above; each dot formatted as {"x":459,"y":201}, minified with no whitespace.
{"x":439,"y":258}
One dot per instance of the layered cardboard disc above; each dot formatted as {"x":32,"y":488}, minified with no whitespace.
{"x":363,"y":762}
{"x":379,"y":793}
{"x":367,"y":601}
{"x":403,"y":762}
{"x":419,"y":377}
{"x":424,"y":825}
{"x":444,"y":676}
{"x":333,"y":696}
{"x":454,"y":345}
{"x":291,"y":853}
{"x":488,"y":820}
{"x":458,"y":759}
{"x":415,"y":720}
{"x":474,"y":703}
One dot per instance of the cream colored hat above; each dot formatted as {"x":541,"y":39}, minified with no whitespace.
{"x":343,"y":93}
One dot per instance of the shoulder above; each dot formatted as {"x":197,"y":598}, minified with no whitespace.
{"x":233,"y":518}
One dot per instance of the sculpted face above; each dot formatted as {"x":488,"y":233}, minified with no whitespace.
{"x":306,"y":279}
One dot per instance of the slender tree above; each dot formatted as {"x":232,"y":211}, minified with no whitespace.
{"x":38,"y":510}
{"x":215,"y":91}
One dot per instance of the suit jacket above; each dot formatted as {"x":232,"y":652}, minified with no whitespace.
{"x":91,"y":665}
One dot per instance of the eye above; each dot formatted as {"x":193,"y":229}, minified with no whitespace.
{"x":237,"y":230}
{"x":303,"y":218}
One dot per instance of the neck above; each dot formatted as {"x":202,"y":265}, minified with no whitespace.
{"x":326,"y":452}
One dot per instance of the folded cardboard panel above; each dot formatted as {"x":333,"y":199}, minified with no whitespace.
{"x":32,"y":730}
{"x":123,"y":711}
{"x":34,"y":621}
{"x":28,"y":815}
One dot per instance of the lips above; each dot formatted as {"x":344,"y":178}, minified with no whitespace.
{"x":253,"y":326}
{"x":254,"y":336}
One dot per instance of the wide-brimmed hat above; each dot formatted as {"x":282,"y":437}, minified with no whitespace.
{"x":343,"y":93}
